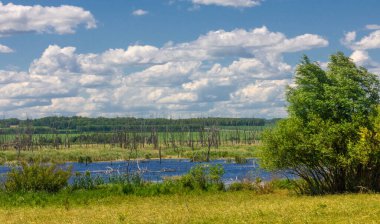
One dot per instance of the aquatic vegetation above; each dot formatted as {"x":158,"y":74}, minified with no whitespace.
{"x":36,"y":177}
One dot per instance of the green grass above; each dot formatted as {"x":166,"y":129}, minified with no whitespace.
{"x":103,"y":206}
{"x":107,"y":153}
{"x":97,"y":153}
{"x":226,"y":133}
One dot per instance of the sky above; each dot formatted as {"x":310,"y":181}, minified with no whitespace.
{"x":171,"y":58}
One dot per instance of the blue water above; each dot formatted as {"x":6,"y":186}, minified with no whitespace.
{"x":153,"y":170}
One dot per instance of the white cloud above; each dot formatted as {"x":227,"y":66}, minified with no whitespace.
{"x":183,"y":79}
{"x":229,"y":3}
{"x":349,"y":38}
{"x":139,"y":12}
{"x":300,"y":43}
{"x":55,"y":60}
{"x":5,"y":49}
{"x":133,"y":55}
{"x":372,"y":27}
{"x":360,"y":57}
{"x":39,"y":19}
{"x":168,"y":74}
{"x":261,"y":91}
{"x":360,"y":54}
{"x":370,"y":41}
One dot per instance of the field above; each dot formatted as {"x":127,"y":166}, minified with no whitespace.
{"x":221,"y":142}
{"x":111,"y":204}
{"x":108,"y":153}
{"x":227,"y":207}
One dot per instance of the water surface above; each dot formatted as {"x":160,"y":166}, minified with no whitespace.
{"x":154,"y":170}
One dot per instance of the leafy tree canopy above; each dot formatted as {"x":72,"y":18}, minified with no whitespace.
{"x":331,"y":136}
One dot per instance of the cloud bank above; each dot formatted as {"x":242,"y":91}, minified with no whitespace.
{"x":221,"y":73}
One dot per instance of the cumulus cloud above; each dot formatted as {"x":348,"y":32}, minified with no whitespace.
{"x":132,"y":55}
{"x":55,"y":60}
{"x":5,"y":49}
{"x":184,"y":79}
{"x":216,"y":44}
{"x":139,"y":12}
{"x":360,"y":54}
{"x":39,"y":19}
{"x":229,"y":3}
{"x":360,"y":57}
{"x":370,"y":41}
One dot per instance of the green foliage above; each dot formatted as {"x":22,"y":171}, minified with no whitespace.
{"x":86,"y":181}
{"x":203,"y":177}
{"x":287,"y":184}
{"x":199,"y":178}
{"x":148,"y":156}
{"x":329,"y":138}
{"x":258,"y":186}
{"x":240,"y":159}
{"x":197,"y":156}
{"x":37,"y":177}
{"x":85,"y":159}
{"x":62,"y":125}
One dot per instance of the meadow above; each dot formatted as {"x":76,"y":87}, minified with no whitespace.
{"x":98,"y":153}
{"x":170,"y":202}
{"x":191,"y":141}
{"x":208,"y":207}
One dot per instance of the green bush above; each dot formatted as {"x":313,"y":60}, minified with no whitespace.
{"x":133,"y":183}
{"x":285,"y":184}
{"x":258,"y":186}
{"x":331,"y":138}
{"x":148,"y":156}
{"x":203,"y":177}
{"x":240,"y":186}
{"x":86,"y":181}
{"x":199,"y":178}
{"x":34,"y":177}
{"x":197,"y":156}
{"x":240,"y":160}
{"x":85,"y":159}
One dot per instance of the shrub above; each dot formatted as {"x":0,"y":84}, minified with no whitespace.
{"x":148,"y":156}
{"x":37,"y":177}
{"x":199,"y":178}
{"x":240,"y":160}
{"x":285,"y":183}
{"x":133,"y":183}
{"x":197,"y":156}
{"x":203,"y":178}
{"x":85,"y":159}
{"x":258,"y":186}
{"x":331,"y":138}
{"x":86,"y":181}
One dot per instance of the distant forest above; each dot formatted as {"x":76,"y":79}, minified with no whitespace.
{"x":78,"y":124}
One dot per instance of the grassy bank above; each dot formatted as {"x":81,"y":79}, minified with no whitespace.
{"x":207,"y":207}
{"x":107,"y":153}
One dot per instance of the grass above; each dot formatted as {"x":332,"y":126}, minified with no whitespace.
{"x":97,"y":153}
{"x":208,"y":207}
{"x":226,"y":131}
{"x":107,"y":153}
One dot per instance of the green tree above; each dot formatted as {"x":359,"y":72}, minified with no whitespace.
{"x":331,"y":137}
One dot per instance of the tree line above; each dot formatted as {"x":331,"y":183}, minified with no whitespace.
{"x":77,"y":124}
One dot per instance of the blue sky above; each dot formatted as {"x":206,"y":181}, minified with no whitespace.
{"x":178,"y":58}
